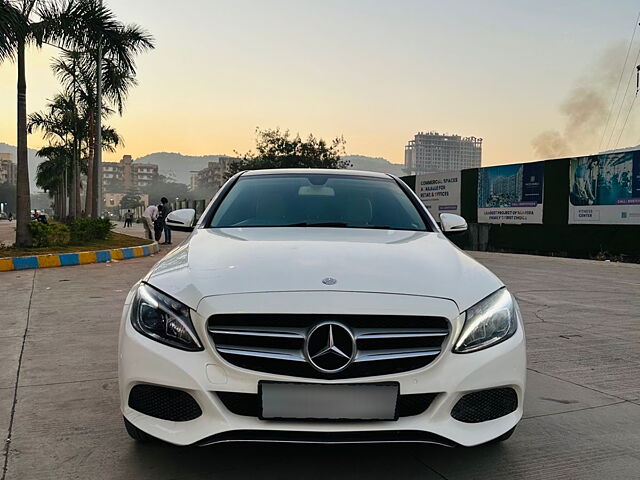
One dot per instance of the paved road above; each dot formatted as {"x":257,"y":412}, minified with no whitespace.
{"x":58,"y":336}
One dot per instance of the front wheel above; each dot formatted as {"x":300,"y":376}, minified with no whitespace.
{"x":137,"y":434}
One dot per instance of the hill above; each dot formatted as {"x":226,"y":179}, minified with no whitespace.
{"x":180,"y":166}
{"x":176,"y":165}
{"x":374,"y":164}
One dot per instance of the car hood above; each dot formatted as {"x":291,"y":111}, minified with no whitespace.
{"x":249,"y":260}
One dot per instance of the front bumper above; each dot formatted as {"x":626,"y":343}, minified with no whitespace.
{"x":201,"y":374}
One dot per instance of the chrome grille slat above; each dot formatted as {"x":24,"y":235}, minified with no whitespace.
{"x":259,"y":332}
{"x":393,"y":354}
{"x":371,"y":333}
{"x":274,"y":343}
{"x":277,"y":354}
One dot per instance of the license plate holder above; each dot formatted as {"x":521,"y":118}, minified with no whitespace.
{"x":328,"y":401}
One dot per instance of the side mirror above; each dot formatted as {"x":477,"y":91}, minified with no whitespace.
{"x":451,"y":223}
{"x":181,"y":220}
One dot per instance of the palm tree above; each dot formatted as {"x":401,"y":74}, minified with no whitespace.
{"x":81,"y":25}
{"x":77,"y":70}
{"x":64,"y":125}
{"x":14,"y":34}
{"x":52,"y":175}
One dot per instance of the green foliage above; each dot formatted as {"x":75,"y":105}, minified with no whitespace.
{"x":49,"y":235}
{"x":278,"y":149}
{"x":163,"y":187}
{"x":130,"y":200}
{"x":89,"y":229}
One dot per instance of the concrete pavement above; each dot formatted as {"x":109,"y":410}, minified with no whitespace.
{"x":59,"y":400}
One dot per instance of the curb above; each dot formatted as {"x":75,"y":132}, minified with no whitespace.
{"x":79,"y":258}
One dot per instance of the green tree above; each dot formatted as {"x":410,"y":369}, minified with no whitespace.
{"x":64,"y":125}
{"x":279,"y":149}
{"x":80,"y":25}
{"x":130,"y":200}
{"x":163,"y":187}
{"x":77,"y":72}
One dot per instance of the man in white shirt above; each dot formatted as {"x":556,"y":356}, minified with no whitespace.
{"x":148,"y":217}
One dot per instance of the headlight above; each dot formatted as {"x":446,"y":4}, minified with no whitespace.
{"x":488,"y":322}
{"x":163,"y":319}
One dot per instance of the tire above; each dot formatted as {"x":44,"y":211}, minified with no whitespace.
{"x":137,"y":434}
{"x":503,"y":437}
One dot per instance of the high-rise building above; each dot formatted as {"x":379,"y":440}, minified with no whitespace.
{"x":433,"y":152}
{"x":8,"y":170}
{"x":127,"y":175}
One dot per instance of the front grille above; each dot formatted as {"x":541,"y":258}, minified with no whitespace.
{"x":164,"y":403}
{"x":273,"y":343}
{"x":248,"y":404}
{"x":485,"y":405}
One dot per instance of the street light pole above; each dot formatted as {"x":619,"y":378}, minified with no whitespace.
{"x":97,"y":170}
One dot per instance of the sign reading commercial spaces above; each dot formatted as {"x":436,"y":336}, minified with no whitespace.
{"x":440,"y":192}
{"x":605,"y":189}
{"x":511,"y":193}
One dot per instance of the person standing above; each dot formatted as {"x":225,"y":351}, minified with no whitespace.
{"x":166,"y":210}
{"x":128,"y":219}
{"x":148,"y":217}
{"x":158,"y":225}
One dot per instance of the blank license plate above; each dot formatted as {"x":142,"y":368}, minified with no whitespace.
{"x":369,"y":401}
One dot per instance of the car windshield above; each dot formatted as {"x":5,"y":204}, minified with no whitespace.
{"x":317,"y":200}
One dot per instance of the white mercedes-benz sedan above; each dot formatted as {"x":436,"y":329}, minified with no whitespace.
{"x":320,"y":306}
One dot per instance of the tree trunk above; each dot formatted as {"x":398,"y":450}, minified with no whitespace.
{"x":61,"y":198}
{"x":88,"y":210}
{"x":70,"y":191}
{"x":23,"y":193}
{"x":78,"y":183}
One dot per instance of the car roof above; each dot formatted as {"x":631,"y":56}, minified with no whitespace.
{"x":314,"y":171}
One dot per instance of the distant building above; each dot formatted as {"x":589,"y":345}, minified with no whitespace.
{"x":8,"y":169}
{"x":433,"y":152}
{"x":213,"y":176}
{"x":127,"y":175}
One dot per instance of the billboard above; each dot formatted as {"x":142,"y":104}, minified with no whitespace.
{"x":440,"y":192}
{"x":605,"y":189}
{"x":511,"y":193}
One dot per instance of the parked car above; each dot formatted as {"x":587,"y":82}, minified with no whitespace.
{"x":320,"y":306}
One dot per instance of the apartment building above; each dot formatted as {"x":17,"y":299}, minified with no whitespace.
{"x":8,"y":169}
{"x":434,"y":152}
{"x":214,"y":175}
{"x":127,"y":175}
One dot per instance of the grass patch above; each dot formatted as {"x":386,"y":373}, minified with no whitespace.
{"x":113,"y":240}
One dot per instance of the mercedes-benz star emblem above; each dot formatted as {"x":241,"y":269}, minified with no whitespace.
{"x":330,"y":347}
{"x":329,"y":281}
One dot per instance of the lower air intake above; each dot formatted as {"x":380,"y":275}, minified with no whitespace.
{"x":164,"y":403}
{"x":248,"y":404}
{"x":485,"y":405}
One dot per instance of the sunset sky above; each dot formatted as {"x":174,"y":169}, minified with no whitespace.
{"x":374,"y":71}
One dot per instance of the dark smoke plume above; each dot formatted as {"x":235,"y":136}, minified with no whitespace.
{"x":586,"y":109}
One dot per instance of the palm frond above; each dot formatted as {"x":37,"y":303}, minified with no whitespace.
{"x":13,"y":26}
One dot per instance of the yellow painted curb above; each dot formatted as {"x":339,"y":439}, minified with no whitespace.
{"x":50,"y":260}
{"x":6,"y":264}
{"x":87,"y":257}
